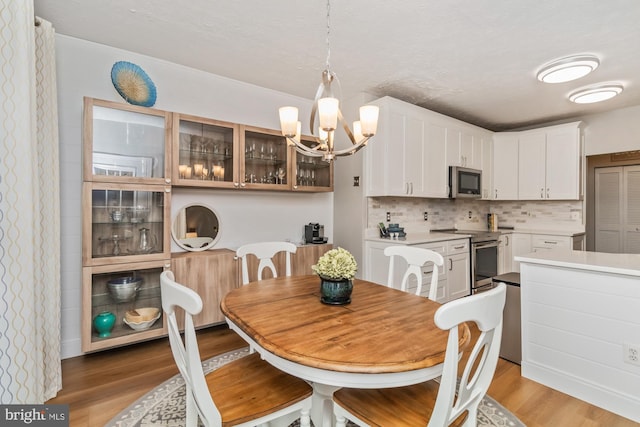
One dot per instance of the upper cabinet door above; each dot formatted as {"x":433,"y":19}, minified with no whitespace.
{"x":205,"y":152}
{"x":126,"y":143}
{"x":505,"y":166}
{"x":265,"y":155}
{"x":531,"y":166}
{"x":309,"y":173}
{"x":436,"y":171}
{"x":564,"y":163}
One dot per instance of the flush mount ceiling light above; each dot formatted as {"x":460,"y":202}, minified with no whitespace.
{"x":326,"y":107}
{"x":567,"y":69}
{"x":595,"y":93}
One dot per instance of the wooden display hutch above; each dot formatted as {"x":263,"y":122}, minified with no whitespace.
{"x":133,"y":158}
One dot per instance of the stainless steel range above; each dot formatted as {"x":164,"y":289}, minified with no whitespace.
{"x":484,"y":257}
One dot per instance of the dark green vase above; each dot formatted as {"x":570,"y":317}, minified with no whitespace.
{"x":335,"y":292}
{"x":104,"y":323}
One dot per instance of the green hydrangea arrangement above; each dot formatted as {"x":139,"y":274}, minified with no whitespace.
{"x":336,"y":264}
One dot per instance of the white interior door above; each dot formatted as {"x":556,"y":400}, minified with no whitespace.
{"x":631,"y":209}
{"x":617,"y":200}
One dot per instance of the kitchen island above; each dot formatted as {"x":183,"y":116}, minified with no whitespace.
{"x":579,"y":317}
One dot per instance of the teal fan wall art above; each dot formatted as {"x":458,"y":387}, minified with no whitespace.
{"x":133,"y":84}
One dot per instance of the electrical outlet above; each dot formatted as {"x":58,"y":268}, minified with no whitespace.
{"x":388,"y":216}
{"x":469,"y":214}
{"x":356,"y":181}
{"x":631,"y":353}
{"x":426,"y":216}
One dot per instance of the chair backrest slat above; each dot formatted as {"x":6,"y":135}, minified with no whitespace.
{"x":416,"y":258}
{"x":457,"y":396}
{"x":265,"y":251}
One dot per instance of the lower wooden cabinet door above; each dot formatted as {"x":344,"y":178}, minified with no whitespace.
{"x":211,"y":274}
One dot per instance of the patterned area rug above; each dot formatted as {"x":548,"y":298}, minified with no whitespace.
{"x":164,"y":405}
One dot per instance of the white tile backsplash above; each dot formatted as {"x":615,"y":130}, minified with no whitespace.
{"x":472,"y":214}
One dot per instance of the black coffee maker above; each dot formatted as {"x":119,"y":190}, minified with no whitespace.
{"x":314,"y":233}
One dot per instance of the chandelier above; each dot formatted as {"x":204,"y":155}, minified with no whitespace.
{"x":326,"y":106}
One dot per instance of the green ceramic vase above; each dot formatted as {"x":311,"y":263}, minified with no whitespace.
{"x":103,"y":323}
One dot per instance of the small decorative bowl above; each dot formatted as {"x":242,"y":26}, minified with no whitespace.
{"x":143,"y":314}
{"x":144,"y":325}
{"x":124,"y":289}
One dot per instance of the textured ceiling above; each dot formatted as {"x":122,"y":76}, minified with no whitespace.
{"x":471,"y":59}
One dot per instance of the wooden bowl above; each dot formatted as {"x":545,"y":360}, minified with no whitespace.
{"x":140,"y":315}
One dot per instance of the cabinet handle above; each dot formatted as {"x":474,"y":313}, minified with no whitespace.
{"x":236,"y":184}
{"x":167,"y":189}
{"x":167,"y":180}
{"x":411,"y":187}
{"x":242,"y":184}
{"x":507,"y":238}
{"x":551,"y":243}
{"x":450,"y":264}
{"x":542,"y":193}
{"x":459,"y":247}
{"x":496,"y":193}
{"x":547,"y":193}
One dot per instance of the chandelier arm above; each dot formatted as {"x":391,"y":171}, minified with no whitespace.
{"x":303,"y":149}
{"x":353,"y":149}
{"x":346,"y":128}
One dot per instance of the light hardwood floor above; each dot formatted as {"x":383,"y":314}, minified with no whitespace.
{"x":98,"y":386}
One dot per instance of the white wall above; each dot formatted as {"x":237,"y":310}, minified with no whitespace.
{"x":84,"y":69}
{"x":612,"y":132}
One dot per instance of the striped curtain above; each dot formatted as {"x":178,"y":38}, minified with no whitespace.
{"x":30,"y":370}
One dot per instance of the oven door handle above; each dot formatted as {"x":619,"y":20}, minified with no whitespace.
{"x":485,"y":245}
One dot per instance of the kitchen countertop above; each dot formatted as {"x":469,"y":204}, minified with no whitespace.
{"x":567,"y":233}
{"x":418,"y":238}
{"x":626,"y":264}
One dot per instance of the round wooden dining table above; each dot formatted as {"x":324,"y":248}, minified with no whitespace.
{"x":383,"y":338}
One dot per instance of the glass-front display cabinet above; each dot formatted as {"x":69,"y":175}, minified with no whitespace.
{"x":126,"y":143}
{"x":311,"y":173}
{"x":266,"y":159}
{"x":125,"y":223}
{"x":205,"y":152}
{"x":122,"y":304}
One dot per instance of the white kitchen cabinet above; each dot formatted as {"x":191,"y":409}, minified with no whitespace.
{"x":505,"y":256}
{"x":505,"y":166}
{"x":520,"y":245}
{"x":413,"y":149}
{"x":393,"y":164}
{"x":464,"y":147}
{"x":564,"y":162}
{"x":486,"y":143}
{"x":545,"y":242}
{"x":458,"y":266}
{"x":532,"y":165}
{"x":549,"y":163}
{"x":436,"y":171}
{"x":454,"y":279}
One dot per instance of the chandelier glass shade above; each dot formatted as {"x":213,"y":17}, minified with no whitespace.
{"x":326,"y":107}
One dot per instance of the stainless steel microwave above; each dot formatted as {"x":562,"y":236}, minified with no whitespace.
{"x":464,"y":182}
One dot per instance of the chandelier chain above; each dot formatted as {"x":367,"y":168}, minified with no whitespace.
{"x":328,"y":33}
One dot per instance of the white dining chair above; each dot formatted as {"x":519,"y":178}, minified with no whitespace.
{"x":265,"y":251}
{"x":245,"y":392}
{"x":416,"y":258}
{"x":429,"y":403}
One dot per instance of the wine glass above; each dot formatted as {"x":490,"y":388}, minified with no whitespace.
{"x":281,"y":175}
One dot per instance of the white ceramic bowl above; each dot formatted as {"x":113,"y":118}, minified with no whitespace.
{"x":142,"y":326}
